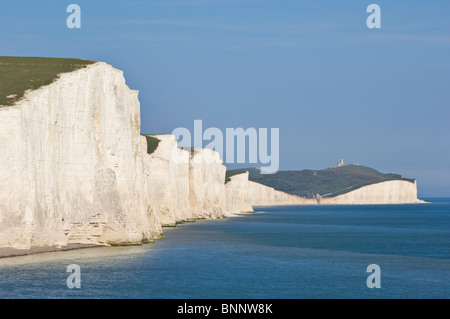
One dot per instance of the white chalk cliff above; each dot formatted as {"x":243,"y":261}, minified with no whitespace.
{"x":72,"y":164}
{"x":388,"y":192}
{"x":242,"y":193}
{"x":184,"y":185}
{"x":261,"y":195}
{"x":237,"y":192}
{"x":75,"y":169}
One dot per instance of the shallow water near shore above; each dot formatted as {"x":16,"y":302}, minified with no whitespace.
{"x":278,"y":252}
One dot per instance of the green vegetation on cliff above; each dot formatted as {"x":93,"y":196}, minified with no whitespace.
{"x":19,"y":74}
{"x":328,"y":182}
{"x":152,"y":143}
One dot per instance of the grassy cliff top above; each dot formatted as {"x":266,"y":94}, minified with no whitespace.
{"x":19,"y":74}
{"x":328,"y":182}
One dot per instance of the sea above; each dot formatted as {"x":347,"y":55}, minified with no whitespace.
{"x":295,"y":252}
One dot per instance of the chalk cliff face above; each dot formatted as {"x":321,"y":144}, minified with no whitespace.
{"x":242,"y":193}
{"x":238,"y":194}
{"x":72,"y":164}
{"x":261,"y":195}
{"x":184,"y":185}
{"x":167,"y":181}
{"x":389,"y":192}
{"x":207,"y":184}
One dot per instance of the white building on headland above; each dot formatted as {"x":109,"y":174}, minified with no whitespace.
{"x":341,"y":163}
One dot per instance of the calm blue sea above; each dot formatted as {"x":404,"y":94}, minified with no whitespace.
{"x":283,"y":252}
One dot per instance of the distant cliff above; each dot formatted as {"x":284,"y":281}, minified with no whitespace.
{"x":329,"y":182}
{"x":386,"y":192}
{"x":243,"y":194}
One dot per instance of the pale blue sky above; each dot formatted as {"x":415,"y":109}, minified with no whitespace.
{"x":335,"y":88}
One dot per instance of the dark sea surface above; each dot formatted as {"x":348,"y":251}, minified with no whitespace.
{"x":279,"y":252}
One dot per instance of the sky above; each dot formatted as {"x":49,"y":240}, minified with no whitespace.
{"x":334,"y":88}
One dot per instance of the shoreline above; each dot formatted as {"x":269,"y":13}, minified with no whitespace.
{"x":8,"y":252}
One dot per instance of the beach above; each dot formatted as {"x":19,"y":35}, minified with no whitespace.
{"x":8,"y":252}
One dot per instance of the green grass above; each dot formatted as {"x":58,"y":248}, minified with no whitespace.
{"x":329,"y":182}
{"x":152,"y":143}
{"x":19,"y":74}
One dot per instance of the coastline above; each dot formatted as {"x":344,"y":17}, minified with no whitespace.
{"x":231,"y":247}
{"x":8,"y":252}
